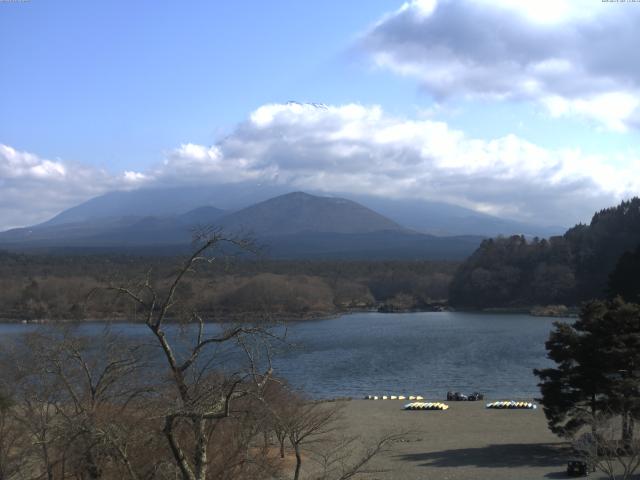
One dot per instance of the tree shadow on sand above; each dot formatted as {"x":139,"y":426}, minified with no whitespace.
{"x":495,"y":456}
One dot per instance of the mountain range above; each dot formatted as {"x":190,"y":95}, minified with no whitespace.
{"x":288,"y":225}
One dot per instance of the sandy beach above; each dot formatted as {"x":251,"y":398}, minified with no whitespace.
{"x":467,"y":441}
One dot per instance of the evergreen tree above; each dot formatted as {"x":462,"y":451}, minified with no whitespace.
{"x":624,"y":281}
{"x":569,"y":269}
{"x":597,"y":361}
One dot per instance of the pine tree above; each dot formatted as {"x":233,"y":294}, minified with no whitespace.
{"x":597,"y":361}
{"x":624,"y":281}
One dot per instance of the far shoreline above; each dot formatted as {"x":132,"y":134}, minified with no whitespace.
{"x":246,"y":317}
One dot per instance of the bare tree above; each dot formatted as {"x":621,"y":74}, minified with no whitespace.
{"x":81,"y":400}
{"x":307,"y":423}
{"x":200,"y":400}
{"x":345,"y":457}
{"x":13,"y":439}
{"x":314,"y":430}
{"x":100,"y":388}
{"x":35,"y":396}
{"x":607,"y":449}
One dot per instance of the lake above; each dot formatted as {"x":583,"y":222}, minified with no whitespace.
{"x":425,"y":353}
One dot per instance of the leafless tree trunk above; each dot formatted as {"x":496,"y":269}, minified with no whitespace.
{"x":198,"y":403}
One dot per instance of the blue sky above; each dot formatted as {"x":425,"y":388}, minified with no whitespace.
{"x":117,"y":82}
{"x":528,"y":110}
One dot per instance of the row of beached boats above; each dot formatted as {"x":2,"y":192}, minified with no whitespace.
{"x":512,"y":404}
{"x":393,"y":397}
{"x":508,"y":404}
{"x":426,"y":406}
{"x":417,"y":404}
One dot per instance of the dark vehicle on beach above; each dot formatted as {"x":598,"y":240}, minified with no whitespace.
{"x":456,"y":397}
{"x":461,"y":397}
{"x":577,"y":468}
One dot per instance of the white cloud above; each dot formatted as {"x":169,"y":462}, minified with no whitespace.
{"x":614,"y":110}
{"x":570,"y":57}
{"x":34,"y":189}
{"x":16,"y":164}
{"x":359,"y":149}
{"x":134,"y":178}
{"x":348,"y":149}
{"x":192,"y":163}
{"x":548,"y":11}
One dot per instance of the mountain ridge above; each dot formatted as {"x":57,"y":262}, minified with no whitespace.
{"x":431,"y":217}
{"x":299,"y":212}
{"x":295,"y":224}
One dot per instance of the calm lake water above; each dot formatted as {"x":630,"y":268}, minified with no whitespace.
{"x":411,"y":353}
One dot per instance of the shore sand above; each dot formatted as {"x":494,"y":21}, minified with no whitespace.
{"x":467,"y":441}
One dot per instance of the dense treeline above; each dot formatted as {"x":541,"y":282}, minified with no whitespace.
{"x":514,"y":271}
{"x":624,"y":281}
{"x":58,"y":287}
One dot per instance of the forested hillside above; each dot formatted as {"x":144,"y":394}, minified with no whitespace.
{"x":514,"y":271}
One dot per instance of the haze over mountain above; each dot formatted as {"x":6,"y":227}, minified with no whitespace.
{"x":436,"y":218}
{"x":168,"y":201}
{"x":439,"y":218}
{"x":292,"y":225}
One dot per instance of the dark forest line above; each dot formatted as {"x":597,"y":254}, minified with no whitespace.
{"x":587,"y":262}
{"x":74,"y":287}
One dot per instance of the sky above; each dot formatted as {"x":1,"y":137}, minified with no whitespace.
{"x":525,"y":110}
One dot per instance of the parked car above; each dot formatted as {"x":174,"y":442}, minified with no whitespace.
{"x":460,"y":397}
{"x":577,"y":468}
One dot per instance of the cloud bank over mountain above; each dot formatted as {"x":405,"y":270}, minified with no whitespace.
{"x":360,"y":149}
{"x":346,"y":148}
{"x":569,"y":59}
{"x":34,"y":189}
